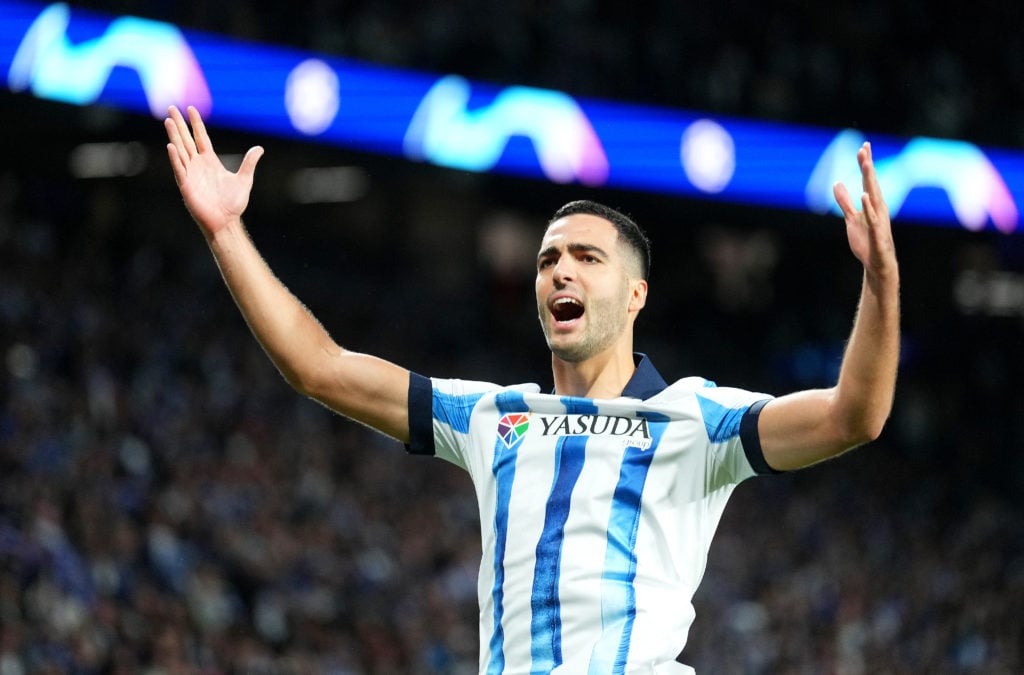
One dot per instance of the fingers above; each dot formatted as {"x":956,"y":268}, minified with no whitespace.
{"x":175,"y":149}
{"x":202,"y":139}
{"x":842,"y":196}
{"x":868,"y":208}
{"x":177,"y":165}
{"x":867,"y":227}
{"x":867,"y":171}
{"x":184,"y":144}
{"x":248,"y":166}
{"x":188,"y":143}
{"x":182,"y":138}
{"x":872,"y":188}
{"x":872,"y":201}
{"x":174,"y":134}
{"x":867,"y":167}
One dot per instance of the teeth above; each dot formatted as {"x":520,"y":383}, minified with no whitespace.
{"x":564,"y":301}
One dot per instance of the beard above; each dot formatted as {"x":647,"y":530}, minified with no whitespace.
{"x":606,"y":321}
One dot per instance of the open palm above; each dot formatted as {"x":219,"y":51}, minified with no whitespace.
{"x":869,"y":230}
{"x":214,"y":196}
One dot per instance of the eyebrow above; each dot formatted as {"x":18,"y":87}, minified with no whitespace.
{"x":572,"y":248}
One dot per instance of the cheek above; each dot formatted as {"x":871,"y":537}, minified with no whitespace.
{"x":542,"y":286}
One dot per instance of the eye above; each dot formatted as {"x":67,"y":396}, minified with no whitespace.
{"x":545,"y":263}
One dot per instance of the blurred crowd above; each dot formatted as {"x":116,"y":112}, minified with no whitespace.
{"x":168,"y":505}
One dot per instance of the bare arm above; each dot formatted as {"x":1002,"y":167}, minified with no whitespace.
{"x":361,"y":387}
{"x":810,"y":426}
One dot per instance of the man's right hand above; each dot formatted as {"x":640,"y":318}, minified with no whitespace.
{"x":214,"y":196}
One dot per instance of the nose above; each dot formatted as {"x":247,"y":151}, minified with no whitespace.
{"x":564,"y":270}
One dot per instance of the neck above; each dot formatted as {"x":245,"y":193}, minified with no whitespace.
{"x":603,"y":375}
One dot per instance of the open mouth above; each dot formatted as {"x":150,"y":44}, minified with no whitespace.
{"x":565,"y":310}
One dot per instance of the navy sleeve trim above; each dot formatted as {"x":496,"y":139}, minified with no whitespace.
{"x":751,"y":439}
{"x":421,"y":416}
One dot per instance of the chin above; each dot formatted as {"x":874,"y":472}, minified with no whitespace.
{"x":573,"y":353}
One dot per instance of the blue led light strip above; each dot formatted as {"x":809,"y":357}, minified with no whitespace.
{"x":82,"y":58}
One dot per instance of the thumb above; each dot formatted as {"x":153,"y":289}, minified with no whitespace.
{"x":248,"y":166}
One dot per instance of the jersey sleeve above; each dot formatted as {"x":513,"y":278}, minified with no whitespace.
{"x":440,"y":412}
{"x":730,"y":420}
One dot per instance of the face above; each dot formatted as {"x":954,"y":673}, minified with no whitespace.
{"x":588,"y":292}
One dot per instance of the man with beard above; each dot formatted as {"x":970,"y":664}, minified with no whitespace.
{"x":597,"y":501}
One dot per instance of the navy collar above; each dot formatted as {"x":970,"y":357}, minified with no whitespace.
{"x":646,"y":381}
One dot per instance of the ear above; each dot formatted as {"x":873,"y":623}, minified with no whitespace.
{"x":637,"y":295}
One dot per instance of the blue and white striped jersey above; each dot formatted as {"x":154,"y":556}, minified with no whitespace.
{"x":595,"y":515}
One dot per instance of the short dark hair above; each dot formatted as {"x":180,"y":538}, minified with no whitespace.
{"x":629,"y":232}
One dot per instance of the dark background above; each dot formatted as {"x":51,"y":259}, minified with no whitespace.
{"x":168,"y":505}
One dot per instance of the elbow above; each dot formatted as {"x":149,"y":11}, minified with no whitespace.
{"x":312,"y":376}
{"x":874,"y":431}
{"x":308,"y":385}
{"x":861,"y":430}
{"x":861,"y":419}
{"x":305,"y":383}
{"x":297,"y":382}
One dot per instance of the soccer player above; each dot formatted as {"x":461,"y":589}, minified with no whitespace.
{"x":598,"y":501}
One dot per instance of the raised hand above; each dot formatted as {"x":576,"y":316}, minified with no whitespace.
{"x":213,"y":195}
{"x":868,"y":230}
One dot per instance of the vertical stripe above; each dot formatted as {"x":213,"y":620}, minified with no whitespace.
{"x":618,"y":595}
{"x":546,"y":621}
{"x":504,"y":469}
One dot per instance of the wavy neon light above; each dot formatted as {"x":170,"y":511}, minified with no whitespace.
{"x":444,"y":131}
{"x":485,"y":127}
{"x":975,"y":188}
{"x":50,"y":66}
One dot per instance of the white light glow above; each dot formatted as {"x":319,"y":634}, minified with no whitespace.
{"x":708,"y":155}
{"x":312,"y":96}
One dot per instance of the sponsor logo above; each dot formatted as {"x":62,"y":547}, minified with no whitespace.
{"x":632,"y":432}
{"x":594,"y":425}
{"x":512,"y":428}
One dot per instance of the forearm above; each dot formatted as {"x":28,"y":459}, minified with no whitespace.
{"x":864,"y":393}
{"x":806,"y":427}
{"x":292,"y":338}
{"x":362,"y":387}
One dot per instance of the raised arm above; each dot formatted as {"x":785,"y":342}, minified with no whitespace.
{"x":810,"y":426}
{"x":358,"y":386}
